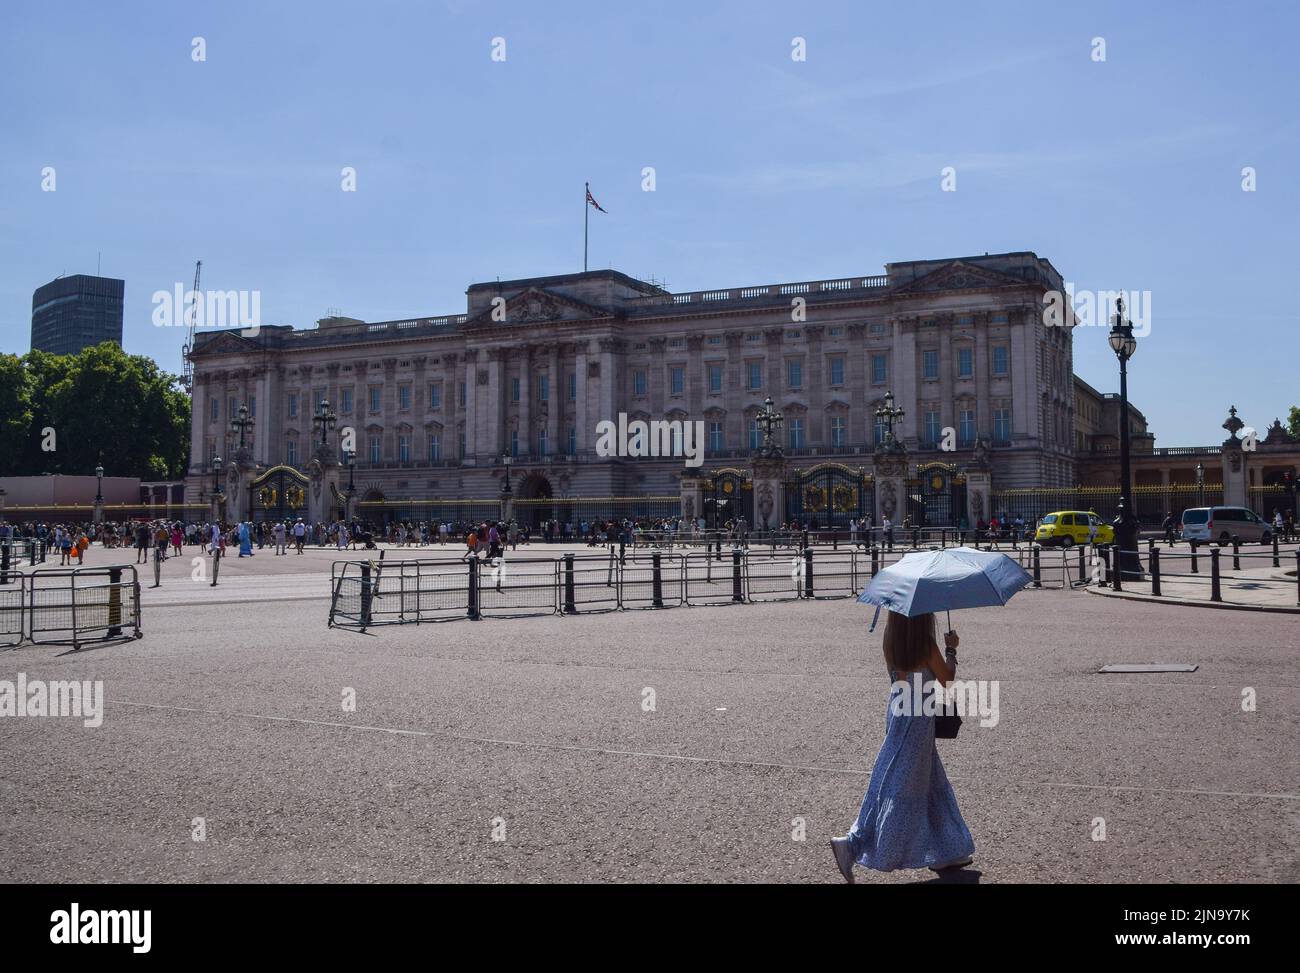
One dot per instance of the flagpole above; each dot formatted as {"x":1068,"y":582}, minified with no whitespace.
{"x":586,"y":215}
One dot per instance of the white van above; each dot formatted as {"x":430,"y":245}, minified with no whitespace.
{"x":1221,"y":524}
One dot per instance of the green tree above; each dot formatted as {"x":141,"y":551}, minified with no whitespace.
{"x":1293,"y":421}
{"x":104,"y":405}
{"x":15,"y":413}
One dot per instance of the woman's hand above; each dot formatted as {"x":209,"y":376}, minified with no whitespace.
{"x":950,"y":641}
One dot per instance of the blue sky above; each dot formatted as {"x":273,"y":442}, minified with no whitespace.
{"x":1125,"y":174}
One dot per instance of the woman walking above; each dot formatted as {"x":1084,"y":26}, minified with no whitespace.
{"x":909,"y":817}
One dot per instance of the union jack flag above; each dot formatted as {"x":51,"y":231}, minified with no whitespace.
{"x":592,"y":200}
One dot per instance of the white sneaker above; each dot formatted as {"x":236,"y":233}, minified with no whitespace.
{"x":843,"y":857}
{"x":956,"y":863}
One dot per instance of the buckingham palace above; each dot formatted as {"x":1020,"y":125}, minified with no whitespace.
{"x":511,"y":390}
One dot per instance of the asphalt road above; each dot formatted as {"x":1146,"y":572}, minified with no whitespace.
{"x":231,"y":710}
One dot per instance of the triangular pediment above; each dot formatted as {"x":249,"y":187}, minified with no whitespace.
{"x":958,"y":276}
{"x":224,"y":343}
{"x":535,"y":306}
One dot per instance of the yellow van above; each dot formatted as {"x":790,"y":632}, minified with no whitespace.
{"x":1070,"y":527}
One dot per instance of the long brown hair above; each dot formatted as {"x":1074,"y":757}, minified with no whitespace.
{"x":908,"y":641}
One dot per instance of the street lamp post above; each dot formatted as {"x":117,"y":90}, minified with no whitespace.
{"x":216,"y":488}
{"x":1200,"y":484}
{"x":769,"y":420}
{"x":506,"y":460}
{"x":99,"y":494}
{"x":1124,"y":345}
{"x":241,"y":423}
{"x":890,"y":415}
{"x":323,"y":421}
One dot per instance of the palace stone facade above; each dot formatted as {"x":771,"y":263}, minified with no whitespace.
{"x":533,"y":365}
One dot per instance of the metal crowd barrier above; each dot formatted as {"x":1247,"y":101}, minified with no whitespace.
{"x":77,"y":606}
{"x":13,"y":600}
{"x":370,"y":593}
{"x":1201,"y":566}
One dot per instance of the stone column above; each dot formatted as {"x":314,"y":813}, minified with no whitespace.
{"x":983,"y":410}
{"x":555,"y":407}
{"x":472,"y":444}
{"x":858,"y":391}
{"x":815,"y":387}
{"x":525,"y":417}
{"x":582,"y":434}
{"x":657,"y":374}
{"x":734,"y":396}
{"x":199,"y":410}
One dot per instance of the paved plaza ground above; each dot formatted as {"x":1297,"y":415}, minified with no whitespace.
{"x":229,"y":709}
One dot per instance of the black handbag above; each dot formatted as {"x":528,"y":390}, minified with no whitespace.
{"x":946,"y":721}
{"x":946,"y":725}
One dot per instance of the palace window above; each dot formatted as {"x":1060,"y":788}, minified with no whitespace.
{"x":543,"y":445}
{"x":291,"y":452}
{"x":796,"y":433}
{"x":460,"y":442}
{"x":573,"y":386}
{"x":930,"y":363}
{"x":965,"y":362}
{"x":755,"y":376}
{"x":715,"y":436}
{"x":933,"y":431}
{"x":346,"y":404}
{"x":837,"y":431}
{"x":879,"y":369}
{"x":376,"y":449}
{"x":543,"y":388}
{"x":404,"y":448}
{"x":573,"y":441}
{"x":794,"y":373}
{"x":215,"y":410}
{"x":1001,"y":360}
{"x":252,"y":406}
{"x":878,"y":430}
{"x":1002,"y":425}
{"x":404,"y":396}
{"x":514,"y":442}
{"x":755,"y":434}
{"x":638,"y":382}
{"x":876,"y":328}
{"x":293,"y":406}
{"x":678,"y":377}
{"x":715,"y":339}
{"x":435,"y":395}
{"x":966,"y":426}
{"x":514,"y":389}
{"x":837,"y":370}
{"x":715,"y":378}
{"x":376,"y":398}
{"x":460,"y":395}
{"x":435,"y":448}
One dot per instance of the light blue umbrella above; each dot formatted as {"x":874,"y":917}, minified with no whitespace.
{"x":958,"y":577}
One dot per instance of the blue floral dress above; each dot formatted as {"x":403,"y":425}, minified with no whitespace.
{"x":909,"y":817}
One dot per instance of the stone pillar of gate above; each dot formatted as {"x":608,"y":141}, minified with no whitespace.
{"x":890,"y":467}
{"x":1233,"y":458}
{"x":694,"y":486}
{"x":769,"y":492}
{"x":323,"y":473}
{"x":238,"y":486}
{"x":979,"y":488}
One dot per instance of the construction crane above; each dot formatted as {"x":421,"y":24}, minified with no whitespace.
{"x":191,"y":319}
